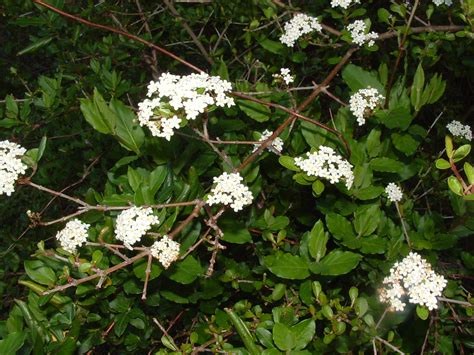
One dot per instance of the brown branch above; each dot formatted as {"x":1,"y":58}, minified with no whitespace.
{"x":154,"y":59}
{"x":188,"y":219}
{"x":102,"y":273}
{"x":120,"y":32}
{"x":147,"y":276}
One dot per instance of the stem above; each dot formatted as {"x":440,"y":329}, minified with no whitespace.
{"x":147,"y":276}
{"x":450,"y":300}
{"x":401,"y":50}
{"x":404,"y":228}
{"x":381,"y":318}
{"x":103,"y":273}
{"x":243,"y":332}
{"x":394,"y":348}
{"x":52,"y":192}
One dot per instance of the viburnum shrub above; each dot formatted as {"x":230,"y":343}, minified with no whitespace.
{"x":244,"y":177}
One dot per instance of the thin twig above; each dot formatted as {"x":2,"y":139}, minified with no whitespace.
{"x":404,"y":228}
{"x":189,"y":30}
{"x":394,"y":348}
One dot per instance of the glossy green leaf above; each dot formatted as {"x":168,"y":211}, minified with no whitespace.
{"x":337,"y":262}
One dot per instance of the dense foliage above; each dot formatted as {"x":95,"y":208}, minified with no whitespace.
{"x":299,"y":263}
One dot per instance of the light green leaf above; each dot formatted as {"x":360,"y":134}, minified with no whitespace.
{"x":129,"y":134}
{"x":283,"y":337}
{"x":304,"y":332}
{"x":11,"y":343}
{"x":357,"y":78}
{"x":339,"y":227}
{"x":40,"y":273}
{"x":417,"y":88}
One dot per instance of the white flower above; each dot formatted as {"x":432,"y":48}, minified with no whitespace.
{"x":11,"y":166}
{"x":73,"y":235}
{"x":285,"y":76}
{"x":343,"y":3}
{"x":298,"y":26}
{"x":325,"y":163}
{"x":457,"y":129}
{"x":394,"y":192}
{"x":276,"y":146}
{"x":363,"y":102}
{"x":359,"y":36}
{"x":229,"y":190}
{"x":133,"y":223}
{"x":165,"y":250}
{"x":174,"y":96}
{"x":441,"y":2}
{"x":412,"y":279}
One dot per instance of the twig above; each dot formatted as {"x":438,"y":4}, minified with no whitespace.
{"x":401,"y":50}
{"x":404,"y":228}
{"x":450,"y":300}
{"x":120,"y":32}
{"x":147,"y":276}
{"x":394,"y":348}
{"x":154,"y":60}
{"x":189,"y":30}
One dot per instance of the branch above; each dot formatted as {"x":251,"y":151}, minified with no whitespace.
{"x":394,"y":348}
{"x":120,"y":32}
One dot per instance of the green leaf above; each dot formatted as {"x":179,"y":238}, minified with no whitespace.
{"x":357,"y":78}
{"x":222,"y":71}
{"x":121,"y":323}
{"x":254,"y":110}
{"x":283,"y":337}
{"x":11,"y":108}
{"x":317,"y":241}
{"x":469,"y":171}
{"x":139,"y":268}
{"x":288,"y":266}
{"x":35,"y":45}
{"x":11,"y":343}
{"x":339,"y":227}
{"x":417,"y":88}
{"x":386,"y":165}
{"x":97,"y":113}
{"x":462,"y":152}
{"x":422,"y":312}
{"x":288,"y":162}
{"x":366,"y":220}
{"x":304,"y":332}
{"x":448,"y":141}
{"x":40,"y":273}
{"x":405,"y":143}
{"x":368,"y":193}
{"x":434,"y":90}
{"x":361,"y":306}
{"x":374,"y":146}
{"x":129,"y":134}
{"x":234,"y":231}
{"x":318,"y":187}
{"x":442,"y":164}
{"x":337,"y":262}
{"x":273,"y":46}
{"x":395,"y":117}
{"x":455,"y":185}
{"x":186,"y":271}
{"x":243,"y":332}
{"x":313,"y":135}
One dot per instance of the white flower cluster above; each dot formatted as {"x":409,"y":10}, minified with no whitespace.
{"x":73,"y":235}
{"x":363,"y":102}
{"x":11,"y":166}
{"x":343,"y":3}
{"x":359,"y":36}
{"x":276,"y":146}
{"x":175,"y":96}
{"x":133,"y":223}
{"x":298,"y":26}
{"x":413,"y":278}
{"x":325,"y":163}
{"x":441,"y":2}
{"x":285,"y":76}
{"x":229,"y":190}
{"x":457,"y":129}
{"x":394,"y":192}
{"x":165,"y":250}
